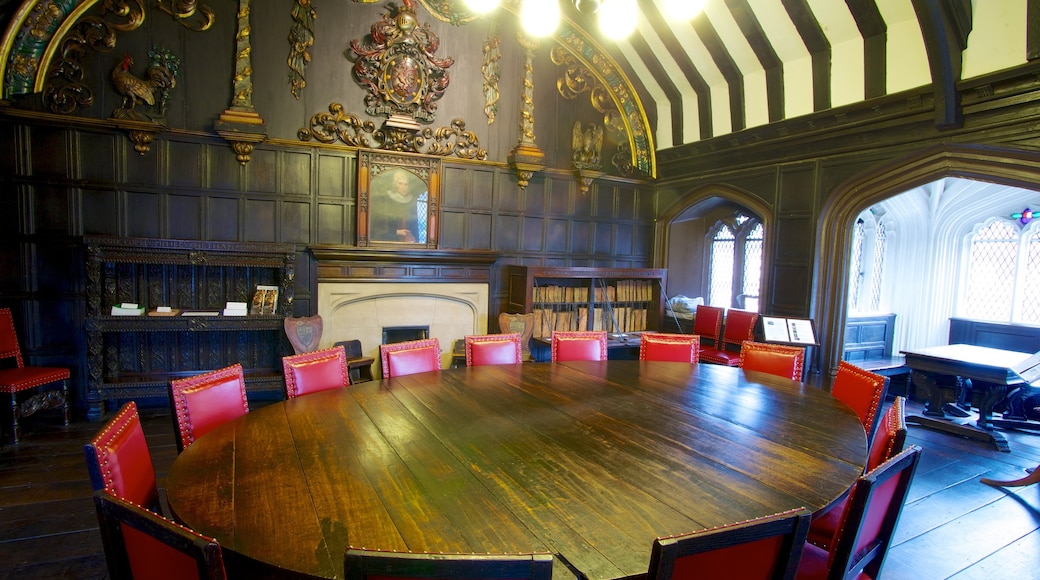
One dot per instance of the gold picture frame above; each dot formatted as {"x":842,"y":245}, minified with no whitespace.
{"x":398,"y":200}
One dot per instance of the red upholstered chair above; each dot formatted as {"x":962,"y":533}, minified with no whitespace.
{"x":775,"y":359}
{"x":200,"y":403}
{"x":740,"y":327}
{"x":119,"y":462}
{"x":865,"y":533}
{"x":862,"y":390}
{"x":316,"y":371}
{"x":362,"y":564}
{"x":410,"y":357}
{"x":768,"y":547}
{"x":493,"y":349}
{"x":579,"y":345}
{"x":707,"y":323}
{"x":22,"y":378}
{"x":669,"y":347}
{"x":142,"y":544}
{"x":889,"y":439}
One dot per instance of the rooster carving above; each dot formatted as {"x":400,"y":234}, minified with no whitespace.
{"x":160,"y":77}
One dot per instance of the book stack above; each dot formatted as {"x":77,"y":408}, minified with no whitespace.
{"x":235,"y":309}
{"x":127,"y":309}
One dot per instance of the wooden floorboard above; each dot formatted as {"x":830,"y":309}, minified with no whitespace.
{"x":952,"y":526}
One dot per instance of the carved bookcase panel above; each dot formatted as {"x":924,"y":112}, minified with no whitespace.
{"x":135,"y":357}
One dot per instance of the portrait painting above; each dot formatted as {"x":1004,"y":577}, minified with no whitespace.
{"x":397,"y":203}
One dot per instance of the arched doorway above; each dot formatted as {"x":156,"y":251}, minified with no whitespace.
{"x":1009,"y":167}
{"x":685,"y":243}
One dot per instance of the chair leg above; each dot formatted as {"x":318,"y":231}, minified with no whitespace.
{"x":65,"y":406}
{"x":16,"y":431}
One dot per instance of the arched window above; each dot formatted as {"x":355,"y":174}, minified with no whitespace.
{"x":867,"y":263}
{"x":1002,"y":282}
{"x":735,"y":263}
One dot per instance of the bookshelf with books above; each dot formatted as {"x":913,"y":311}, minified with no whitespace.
{"x":617,"y":300}
{"x":189,"y":314}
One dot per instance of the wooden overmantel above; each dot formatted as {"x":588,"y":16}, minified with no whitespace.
{"x":343,"y":263}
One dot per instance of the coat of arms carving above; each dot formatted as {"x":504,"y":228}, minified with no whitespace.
{"x":398,"y":67}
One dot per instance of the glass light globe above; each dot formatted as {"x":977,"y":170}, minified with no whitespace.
{"x":683,"y":9}
{"x":540,"y":17}
{"x":481,"y":6}
{"x":617,"y":18}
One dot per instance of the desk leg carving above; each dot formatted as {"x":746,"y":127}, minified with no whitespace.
{"x":935,"y":418}
{"x":933,"y":406}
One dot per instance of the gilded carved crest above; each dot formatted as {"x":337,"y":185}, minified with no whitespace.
{"x":397,"y":65}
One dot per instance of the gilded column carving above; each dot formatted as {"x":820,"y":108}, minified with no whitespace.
{"x":301,"y":38}
{"x":240,"y":124}
{"x":526,"y":158}
{"x":490,"y":69}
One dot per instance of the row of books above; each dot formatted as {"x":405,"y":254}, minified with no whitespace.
{"x":618,"y":319}
{"x":620,"y":291}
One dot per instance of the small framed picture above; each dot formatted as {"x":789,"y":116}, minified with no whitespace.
{"x":265,"y":300}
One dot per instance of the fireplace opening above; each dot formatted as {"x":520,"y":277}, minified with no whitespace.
{"x":393,"y":334}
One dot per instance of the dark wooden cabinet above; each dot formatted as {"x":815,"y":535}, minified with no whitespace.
{"x":612,"y":299}
{"x":134,"y":357}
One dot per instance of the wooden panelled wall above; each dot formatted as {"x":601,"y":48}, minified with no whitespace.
{"x":60,"y":182}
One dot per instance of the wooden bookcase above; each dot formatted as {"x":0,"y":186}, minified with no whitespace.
{"x":135,"y":357}
{"x":618,"y":300}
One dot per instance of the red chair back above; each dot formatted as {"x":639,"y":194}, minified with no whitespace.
{"x":9,"y":338}
{"x":768,"y":547}
{"x":740,"y":327}
{"x":669,"y":347}
{"x":119,"y":462}
{"x":707,"y":323}
{"x":141,"y":544}
{"x":316,"y":371}
{"x":200,"y":403}
{"x":864,"y":536}
{"x":362,"y":564}
{"x":493,"y":349}
{"x":410,"y":357}
{"x":775,"y":359}
{"x":863,"y":391}
{"x":579,"y":345}
{"x":889,"y":439}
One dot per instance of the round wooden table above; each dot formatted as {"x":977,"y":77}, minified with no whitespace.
{"x":588,"y":460}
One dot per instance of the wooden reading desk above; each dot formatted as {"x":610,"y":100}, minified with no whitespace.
{"x":991,"y":371}
{"x":587,"y":460}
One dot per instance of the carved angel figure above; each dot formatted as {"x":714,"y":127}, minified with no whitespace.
{"x":586,"y":145}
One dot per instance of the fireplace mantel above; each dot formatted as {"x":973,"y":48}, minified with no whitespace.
{"x":342,"y":263}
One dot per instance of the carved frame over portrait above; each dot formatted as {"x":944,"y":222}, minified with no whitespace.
{"x":392,"y":188}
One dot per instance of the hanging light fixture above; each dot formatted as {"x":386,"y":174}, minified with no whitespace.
{"x":617,"y":18}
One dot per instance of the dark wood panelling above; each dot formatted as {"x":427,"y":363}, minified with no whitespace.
{"x":478,"y":232}
{"x":556,"y":235}
{"x":185,"y":217}
{"x":507,"y":233}
{"x":603,"y":200}
{"x":794,"y":240}
{"x":296,"y":173}
{"x":623,"y":240}
{"x":510,"y":198}
{"x":295,"y":222}
{"x":51,"y":211}
{"x":797,"y":190}
{"x":260,"y":225}
{"x":482,"y":193}
{"x":790,"y":290}
{"x":144,"y":218}
{"x":583,"y":203}
{"x":1016,"y":337}
{"x":581,"y":236}
{"x":48,"y":153}
{"x":331,"y":223}
{"x":559,"y":197}
{"x":534,"y":195}
{"x":224,"y":169}
{"x":262,"y":170}
{"x":98,"y":158}
{"x":603,"y":236}
{"x":453,"y":229}
{"x":186,"y":158}
{"x":101,"y":212}
{"x":222,"y":219}
{"x":533,"y":237}
{"x":332,"y":175}
{"x":141,"y":169}
{"x":454,"y":187}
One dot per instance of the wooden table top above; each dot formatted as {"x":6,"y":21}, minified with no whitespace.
{"x":981,"y":363}
{"x":588,"y":460}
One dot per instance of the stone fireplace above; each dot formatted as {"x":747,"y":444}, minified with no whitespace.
{"x":364,"y":292}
